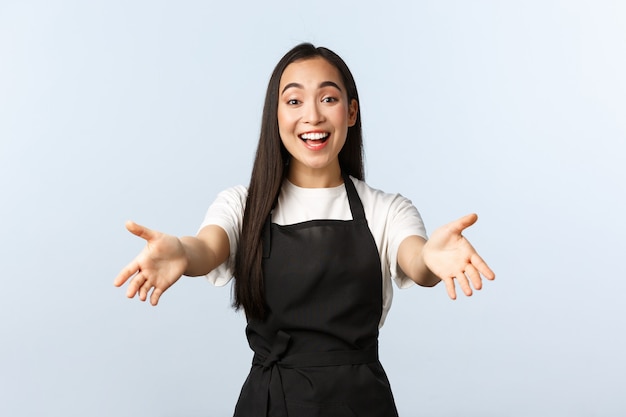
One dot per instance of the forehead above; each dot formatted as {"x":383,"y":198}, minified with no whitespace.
{"x":311,"y":73}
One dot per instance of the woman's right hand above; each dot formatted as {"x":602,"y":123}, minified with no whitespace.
{"x":159,"y":265}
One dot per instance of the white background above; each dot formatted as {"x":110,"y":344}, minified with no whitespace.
{"x":145,"y":110}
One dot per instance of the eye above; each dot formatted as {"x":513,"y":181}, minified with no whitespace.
{"x":329,"y":99}
{"x":293,"y":102}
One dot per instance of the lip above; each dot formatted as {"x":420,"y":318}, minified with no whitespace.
{"x":315,"y":145}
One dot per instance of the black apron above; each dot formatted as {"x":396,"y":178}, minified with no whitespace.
{"x":316,"y":353}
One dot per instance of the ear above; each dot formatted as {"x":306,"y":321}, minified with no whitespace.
{"x":353,"y":111}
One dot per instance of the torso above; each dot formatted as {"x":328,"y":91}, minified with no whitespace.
{"x":316,"y":351}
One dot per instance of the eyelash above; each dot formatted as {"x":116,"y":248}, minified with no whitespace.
{"x":294,"y":102}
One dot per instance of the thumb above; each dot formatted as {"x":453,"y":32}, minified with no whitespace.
{"x":464,"y":222}
{"x":140,"y":231}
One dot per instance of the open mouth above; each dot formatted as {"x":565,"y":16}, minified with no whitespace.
{"x":315,"y":138}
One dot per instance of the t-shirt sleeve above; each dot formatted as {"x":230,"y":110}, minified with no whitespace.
{"x":227,"y":212}
{"x":404,"y":220}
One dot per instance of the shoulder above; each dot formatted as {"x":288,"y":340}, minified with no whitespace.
{"x":227,"y":208}
{"x":237,"y":192}
{"x":363,"y":187}
{"x":234,"y":196}
{"x":373,"y":196}
{"x":390,"y":211}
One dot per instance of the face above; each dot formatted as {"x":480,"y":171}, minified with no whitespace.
{"x":314,"y":114}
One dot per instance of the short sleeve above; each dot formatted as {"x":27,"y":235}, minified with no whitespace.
{"x":227,"y":212}
{"x":404,"y":220}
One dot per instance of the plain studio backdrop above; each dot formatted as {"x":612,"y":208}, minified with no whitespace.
{"x":145,"y":110}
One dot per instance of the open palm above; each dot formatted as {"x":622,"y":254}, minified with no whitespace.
{"x":159,"y":265}
{"x":449,"y":255}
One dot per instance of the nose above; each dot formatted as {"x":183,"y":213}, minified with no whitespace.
{"x":313,"y":113}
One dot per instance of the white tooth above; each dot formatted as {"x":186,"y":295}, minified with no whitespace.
{"x":314,"y":136}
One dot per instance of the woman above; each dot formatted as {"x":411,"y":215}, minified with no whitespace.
{"x":313,"y":249}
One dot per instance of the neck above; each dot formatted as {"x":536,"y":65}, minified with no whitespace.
{"x":315,"y":178}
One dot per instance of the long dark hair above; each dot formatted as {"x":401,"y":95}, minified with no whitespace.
{"x":268,"y":172}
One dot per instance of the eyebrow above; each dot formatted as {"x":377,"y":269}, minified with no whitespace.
{"x":322,"y":85}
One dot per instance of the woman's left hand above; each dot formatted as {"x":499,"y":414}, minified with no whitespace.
{"x":449,"y":255}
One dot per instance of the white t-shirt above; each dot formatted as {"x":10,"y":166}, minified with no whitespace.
{"x":390,"y":217}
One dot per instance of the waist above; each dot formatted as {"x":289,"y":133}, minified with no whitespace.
{"x":319,"y":359}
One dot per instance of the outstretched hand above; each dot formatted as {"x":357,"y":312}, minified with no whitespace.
{"x":449,"y":255}
{"x":159,"y":265}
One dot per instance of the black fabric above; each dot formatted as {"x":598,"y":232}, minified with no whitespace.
{"x":316,"y":353}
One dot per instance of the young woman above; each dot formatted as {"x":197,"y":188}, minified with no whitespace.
{"x":313,"y":250}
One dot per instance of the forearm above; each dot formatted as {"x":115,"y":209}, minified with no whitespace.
{"x":420,"y":273}
{"x":206,"y":251}
{"x":411,"y":261}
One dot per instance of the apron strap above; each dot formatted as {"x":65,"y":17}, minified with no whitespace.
{"x":331,"y":358}
{"x":356,"y":206}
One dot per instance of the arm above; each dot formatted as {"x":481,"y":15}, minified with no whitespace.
{"x":166,"y":258}
{"x":205,"y":252}
{"x":446,"y":256}
{"x":411,"y":261}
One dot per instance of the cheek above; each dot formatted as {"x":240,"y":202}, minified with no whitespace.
{"x":285,"y":120}
{"x":341,"y":117}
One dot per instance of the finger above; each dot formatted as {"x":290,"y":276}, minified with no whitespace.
{"x":137,"y":281}
{"x":140,"y":231}
{"x":474,"y":277}
{"x":128,"y":271}
{"x":464,"y":283}
{"x":156,"y":294}
{"x":450,"y":289}
{"x":144,"y":290}
{"x":482,"y":266}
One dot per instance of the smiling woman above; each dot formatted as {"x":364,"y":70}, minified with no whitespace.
{"x":313,"y":250}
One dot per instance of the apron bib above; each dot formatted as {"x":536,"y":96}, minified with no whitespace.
{"x":316,"y":352}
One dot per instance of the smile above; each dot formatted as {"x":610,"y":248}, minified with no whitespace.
{"x":315,"y":136}
{"x":315,"y":141}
